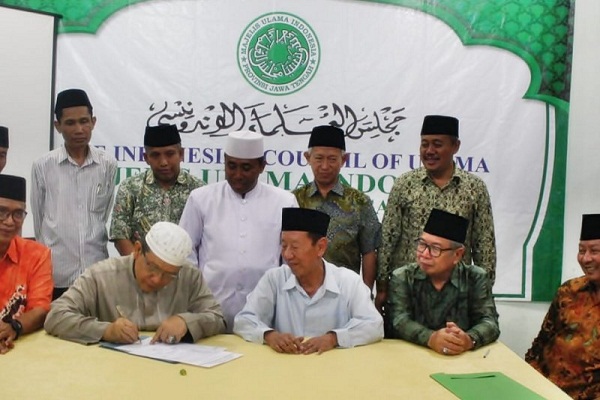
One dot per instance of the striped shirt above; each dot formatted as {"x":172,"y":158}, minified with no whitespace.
{"x":70,"y":206}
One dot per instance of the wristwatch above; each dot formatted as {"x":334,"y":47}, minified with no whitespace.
{"x":474,"y":342}
{"x":17,"y":327}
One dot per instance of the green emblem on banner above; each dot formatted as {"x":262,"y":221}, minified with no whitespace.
{"x":278,"y":53}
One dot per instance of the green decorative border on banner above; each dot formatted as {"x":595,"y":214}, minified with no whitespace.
{"x":538,"y":31}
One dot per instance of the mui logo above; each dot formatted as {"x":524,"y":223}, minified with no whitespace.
{"x":278,"y":53}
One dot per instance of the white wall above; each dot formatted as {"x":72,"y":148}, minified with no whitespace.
{"x":26,"y":78}
{"x":520,"y":322}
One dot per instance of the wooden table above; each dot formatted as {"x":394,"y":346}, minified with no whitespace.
{"x":43,"y":367}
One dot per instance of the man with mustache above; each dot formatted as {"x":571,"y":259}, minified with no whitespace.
{"x":25,"y":269}
{"x":158,"y":194}
{"x":437,"y":184}
{"x":235,"y":225}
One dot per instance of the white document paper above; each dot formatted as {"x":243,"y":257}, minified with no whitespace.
{"x":186,"y":353}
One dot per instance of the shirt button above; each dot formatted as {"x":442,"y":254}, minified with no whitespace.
{"x":244,"y":201}
{"x":239,"y":286}
{"x":243,"y":234}
{"x":244,"y":218}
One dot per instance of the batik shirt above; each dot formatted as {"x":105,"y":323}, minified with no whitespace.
{"x":417,"y":308}
{"x":410,"y":202}
{"x":141,"y":202}
{"x":354,"y":228}
{"x":25,"y":278}
{"x":567,"y":348}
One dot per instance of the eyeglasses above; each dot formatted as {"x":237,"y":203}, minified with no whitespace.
{"x":155,"y":270}
{"x":17,"y":215}
{"x":434,"y":250}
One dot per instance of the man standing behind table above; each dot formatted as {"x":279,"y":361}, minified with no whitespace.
{"x":437,"y":184}
{"x":439,"y":301}
{"x":309,"y":297}
{"x":154,"y":288}
{"x":72,"y":193}
{"x":354,"y":230}
{"x":159,"y":194}
{"x":25,"y":269}
{"x":235,"y":225}
{"x":3,"y":146}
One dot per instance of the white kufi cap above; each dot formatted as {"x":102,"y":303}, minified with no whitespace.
{"x":169,"y":242}
{"x":246,"y":145}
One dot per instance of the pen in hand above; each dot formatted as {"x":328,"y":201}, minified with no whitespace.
{"x":123,"y":315}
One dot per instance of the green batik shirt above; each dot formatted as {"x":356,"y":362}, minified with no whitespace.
{"x":141,"y":202}
{"x":412,"y":198}
{"x":417,"y":309}
{"x":353,"y":229}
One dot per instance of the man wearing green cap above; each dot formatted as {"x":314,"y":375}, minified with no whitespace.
{"x":159,"y":194}
{"x":354,"y":231}
{"x":3,"y":146}
{"x":437,"y":184}
{"x":440,"y":301}
{"x":308,"y":297}
{"x":25,"y":269}
{"x":72,"y":192}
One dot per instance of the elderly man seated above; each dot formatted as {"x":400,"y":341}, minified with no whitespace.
{"x":308,"y":298}
{"x":25,"y":269}
{"x":154,"y":288}
{"x":439,"y":301}
{"x":567,"y":348}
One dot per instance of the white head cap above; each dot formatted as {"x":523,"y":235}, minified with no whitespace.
{"x":169,"y":242}
{"x":246,"y":145}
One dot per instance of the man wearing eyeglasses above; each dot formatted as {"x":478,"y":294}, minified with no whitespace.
{"x":440,"y":301}
{"x":25,"y":269}
{"x":154,"y":288}
{"x":439,"y":183}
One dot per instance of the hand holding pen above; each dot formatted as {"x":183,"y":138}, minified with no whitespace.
{"x":122,"y":330}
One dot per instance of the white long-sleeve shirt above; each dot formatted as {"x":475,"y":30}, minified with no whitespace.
{"x":235,"y":239}
{"x":342,"y":305}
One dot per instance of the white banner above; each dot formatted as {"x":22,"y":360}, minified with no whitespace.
{"x":283,"y":67}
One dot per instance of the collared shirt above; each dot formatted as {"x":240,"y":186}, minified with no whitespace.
{"x":410,"y":202}
{"x":417,"y":308}
{"x":70,"y":207}
{"x":567,"y":348}
{"x":25,"y":278}
{"x":342,"y":304}
{"x":354,"y":229}
{"x":141,"y":202}
{"x":83,"y":312}
{"x":235,"y":238}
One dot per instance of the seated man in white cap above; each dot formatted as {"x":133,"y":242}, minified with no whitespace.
{"x":25,"y":269}
{"x":439,"y":301}
{"x":235,"y":225}
{"x":152,"y":289}
{"x":309,"y":298}
{"x":3,"y":146}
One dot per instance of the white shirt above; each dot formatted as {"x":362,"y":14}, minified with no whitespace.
{"x":342,"y":305}
{"x":235,"y":239}
{"x":70,"y":206}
